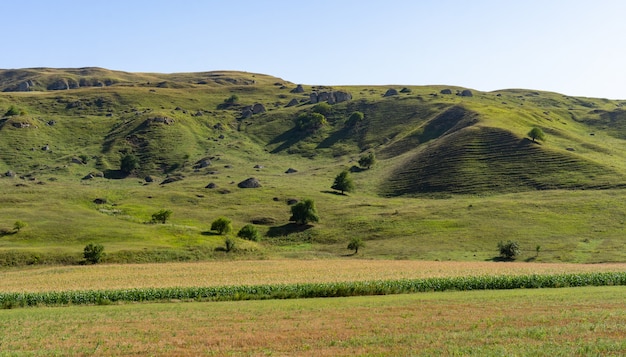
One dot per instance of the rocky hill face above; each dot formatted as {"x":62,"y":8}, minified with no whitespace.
{"x":430,"y":139}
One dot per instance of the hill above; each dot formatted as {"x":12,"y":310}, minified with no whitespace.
{"x":64,"y":132}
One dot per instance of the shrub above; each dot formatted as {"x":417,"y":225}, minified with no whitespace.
{"x":230,"y":244}
{"x":304,"y":212}
{"x":12,"y":111}
{"x":161,"y":216}
{"x":355,"y":244}
{"x":249,"y":232}
{"x":367,"y":160}
{"x":343,"y":182}
{"x":509,"y":250}
{"x":18,"y":225}
{"x":222,"y":225}
{"x":354,"y":119}
{"x":322,"y":108}
{"x":129,"y":163}
{"x":311,"y":121}
{"x":93,"y":253}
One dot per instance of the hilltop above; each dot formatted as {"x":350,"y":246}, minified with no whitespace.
{"x":64,"y":132}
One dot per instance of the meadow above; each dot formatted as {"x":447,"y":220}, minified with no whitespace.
{"x":535,"y":322}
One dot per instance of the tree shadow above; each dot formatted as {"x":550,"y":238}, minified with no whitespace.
{"x":500,"y":259}
{"x":7,"y":232}
{"x":287,"y":229}
{"x":333,"y":139}
{"x":338,"y":193}
{"x":288,"y":138}
{"x":355,"y":169}
{"x":209,"y":233}
{"x":115,"y":174}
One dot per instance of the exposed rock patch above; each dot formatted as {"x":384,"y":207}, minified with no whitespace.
{"x":249,"y":183}
{"x":390,"y":92}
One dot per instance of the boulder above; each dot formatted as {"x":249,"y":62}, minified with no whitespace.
{"x":292,"y":201}
{"x":45,"y":147}
{"x":292,"y":102}
{"x":249,"y":183}
{"x":171,"y":179}
{"x":51,"y":122}
{"x":258,"y":108}
{"x":60,"y":84}
{"x":89,"y":176}
{"x":466,"y":93}
{"x":9,"y":174}
{"x":291,"y":171}
{"x":390,"y":92}
{"x":298,"y":89}
{"x":258,"y":166}
{"x":211,"y":185}
{"x":446,"y":91}
{"x":149,"y":178}
{"x":323,"y":96}
{"x":246,"y":113}
{"x":100,"y":201}
{"x":200,"y":164}
{"x":342,"y":96}
{"x":21,"y":125}
{"x":78,"y":161}
{"x":313,"y":98}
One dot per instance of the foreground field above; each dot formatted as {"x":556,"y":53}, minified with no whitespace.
{"x":569,"y":321}
{"x":100,"y":277}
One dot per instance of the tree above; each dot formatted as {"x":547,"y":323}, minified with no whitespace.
{"x":312,"y":121}
{"x":222,"y":225}
{"x":249,"y":232}
{"x":161,"y":216}
{"x":343,"y":182}
{"x":509,"y":250}
{"x":322,"y":108}
{"x":355,"y":244}
{"x":367,"y":160}
{"x":536,"y":133}
{"x":304,"y":212}
{"x":230,"y":244}
{"x":129,"y":163}
{"x":354,"y":119}
{"x":93,"y":253}
{"x":18,"y":225}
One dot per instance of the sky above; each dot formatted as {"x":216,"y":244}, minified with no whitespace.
{"x":571,"y":47}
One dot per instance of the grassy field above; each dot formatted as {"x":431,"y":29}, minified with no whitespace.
{"x":571,"y":321}
{"x":223,"y":273}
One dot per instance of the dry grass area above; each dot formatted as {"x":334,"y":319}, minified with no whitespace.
{"x":560,"y":322}
{"x":214,"y":273}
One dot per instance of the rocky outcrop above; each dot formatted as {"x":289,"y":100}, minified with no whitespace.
{"x":292,"y":103}
{"x":329,"y":97}
{"x":466,"y":93}
{"x":160,"y":120}
{"x":258,"y":108}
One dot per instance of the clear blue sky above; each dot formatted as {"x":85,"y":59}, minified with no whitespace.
{"x":571,"y":47}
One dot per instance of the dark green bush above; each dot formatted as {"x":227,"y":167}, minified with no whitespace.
{"x":249,"y":232}
{"x":93,"y":253}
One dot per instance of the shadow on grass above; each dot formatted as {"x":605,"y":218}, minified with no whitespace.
{"x":209,"y":233}
{"x":355,"y":168}
{"x":7,"y":232}
{"x":334,"y":193}
{"x":115,"y":174}
{"x":287,"y":229}
{"x":500,"y":259}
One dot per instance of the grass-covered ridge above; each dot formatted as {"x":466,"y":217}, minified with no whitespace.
{"x":454,"y":174}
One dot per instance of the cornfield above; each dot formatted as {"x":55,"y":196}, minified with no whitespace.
{"x":310,"y":290}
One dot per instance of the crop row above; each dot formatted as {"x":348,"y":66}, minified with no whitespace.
{"x":310,"y":290}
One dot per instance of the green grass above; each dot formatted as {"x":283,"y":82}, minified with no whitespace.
{"x":570,"y":321}
{"x":455,"y":175}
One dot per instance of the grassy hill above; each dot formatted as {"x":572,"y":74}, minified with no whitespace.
{"x":454,"y":174}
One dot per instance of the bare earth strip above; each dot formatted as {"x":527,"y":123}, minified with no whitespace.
{"x":215,"y":273}
{"x":534,"y":322}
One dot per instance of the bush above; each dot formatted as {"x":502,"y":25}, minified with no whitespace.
{"x":12,"y":111}
{"x":249,"y":232}
{"x":509,"y":250}
{"x":367,"y":160}
{"x":129,"y":163}
{"x":322,"y":108}
{"x":161,"y":216}
{"x":93,"y":253}
{"x":311,"y":121}
{"x":18,"y":225}
{"x":355,"y":244}
{"x":222,"y":225}
{"x":230,"y":244}
{"x":304,"y":212}
{"x":354,"y":119}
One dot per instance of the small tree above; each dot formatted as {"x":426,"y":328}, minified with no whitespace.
{"x":249,"y":232}
{"x":93,"y":253}
{"x":509,"y":250}
{"x":343,"y":182}
{"x":161,"y":216}
{"x":355,"y":244}
{"x":230,"y":244}
{"x":367,"y":160}
{"x":354,"y":119}
{"x":536,"y":133}
{"x":304,"y":212}
{"x":322,"y":108}
{"x":222,"y":225}
{"x":18,"y":225}
{"x":129,"y":163}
